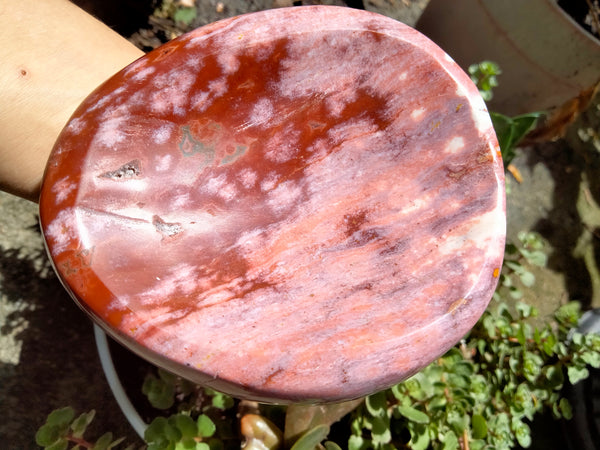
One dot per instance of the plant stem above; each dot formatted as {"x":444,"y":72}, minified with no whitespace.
{"x":465,"y":439}
{"x":80,"y":441}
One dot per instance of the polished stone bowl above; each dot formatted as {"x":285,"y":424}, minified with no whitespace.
{"x":297,"y":205}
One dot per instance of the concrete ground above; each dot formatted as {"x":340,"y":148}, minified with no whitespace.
{"x":47,"y":351}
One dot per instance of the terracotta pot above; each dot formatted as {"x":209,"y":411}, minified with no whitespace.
{"x":545,"y":57}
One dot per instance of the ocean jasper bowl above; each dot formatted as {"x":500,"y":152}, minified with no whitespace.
{"x":297,"y":205}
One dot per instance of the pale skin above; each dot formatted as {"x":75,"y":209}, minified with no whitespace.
{"x":53,"y":56}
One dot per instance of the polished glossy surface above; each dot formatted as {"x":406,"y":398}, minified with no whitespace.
{"x":294,"y":205}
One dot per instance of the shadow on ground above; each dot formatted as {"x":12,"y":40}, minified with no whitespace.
{"x":576,"y":184}
{"x":58,"y":364}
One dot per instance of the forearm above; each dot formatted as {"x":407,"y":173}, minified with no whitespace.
{"x":53,"y":55}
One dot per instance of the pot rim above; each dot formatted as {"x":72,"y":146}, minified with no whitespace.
{"x":115,"y":385}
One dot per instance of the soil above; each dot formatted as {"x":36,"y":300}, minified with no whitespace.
{"x":143,"y":23}
{"x":584,"y":13}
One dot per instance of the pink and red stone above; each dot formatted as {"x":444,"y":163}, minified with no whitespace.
{"x":295,"y":205}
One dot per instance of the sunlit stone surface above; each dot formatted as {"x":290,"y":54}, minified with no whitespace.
{"x":299,"y":204}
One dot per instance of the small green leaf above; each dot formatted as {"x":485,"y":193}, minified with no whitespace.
{"x":171,"y":432}
{"x":592,"y":358}
{"x":503,"y":125}
{"x":357,"y":443}
{"x":46,"y":435}
{"x":568,"y":315}
{"x":310,"y":439}
{"x":532,"y":365}
{"x":523,"y":309}
{"x":510,"y":131}
{"x":577,"y":338}
{"x":576,"y":374}
{"x":103,"y":441}
{"x":522,"y":432}
{"x":537,"y":337}
{"x":565,"y":409}
{"x":376,"y":404}
{"x":450,"y":441}
{"x":413,"y":387}
{"x":398,"y":392}
{"x":477,"y":445}
{"x":536,"y":258}
{"x":222,"y":401}
{"x":521,"y":337}
{"x":527,"y":278}
{"x":61,"y":444}
{"x":167,"y":377}
{"x":458,"y":419}
{"x":206,"y":427}
{"x":489,"y":325}
{"x":531,"y":240}
{"x":464,"y":368}
{"x":356,"y":425}
{"x":381,"y":430}
{"x":155,"y":430}
{"x":185,"y":15}
{"x":511,"y":249}
{"x":188,"y":444}
{"x":554,"y":375}
{"x":160,"y":391}
{"x":185,"y":424}
{"x":437,"y":403}
{"x":484,"y":77}
{"x":116,"y":442}
{"x":523,"y":124}
{"x":479,"y":426}
{"x":506,"y":281}
{"x":413,"y":414}
{"x":593,"y":341}
{"x":330,"y":445}
{"x":419,"y":437}
{"x":79,"y":425}
{"x":515,"y":293}
{"x":549,"y":344}
{"x":514,"y":363}
{"x":61,"y":417}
